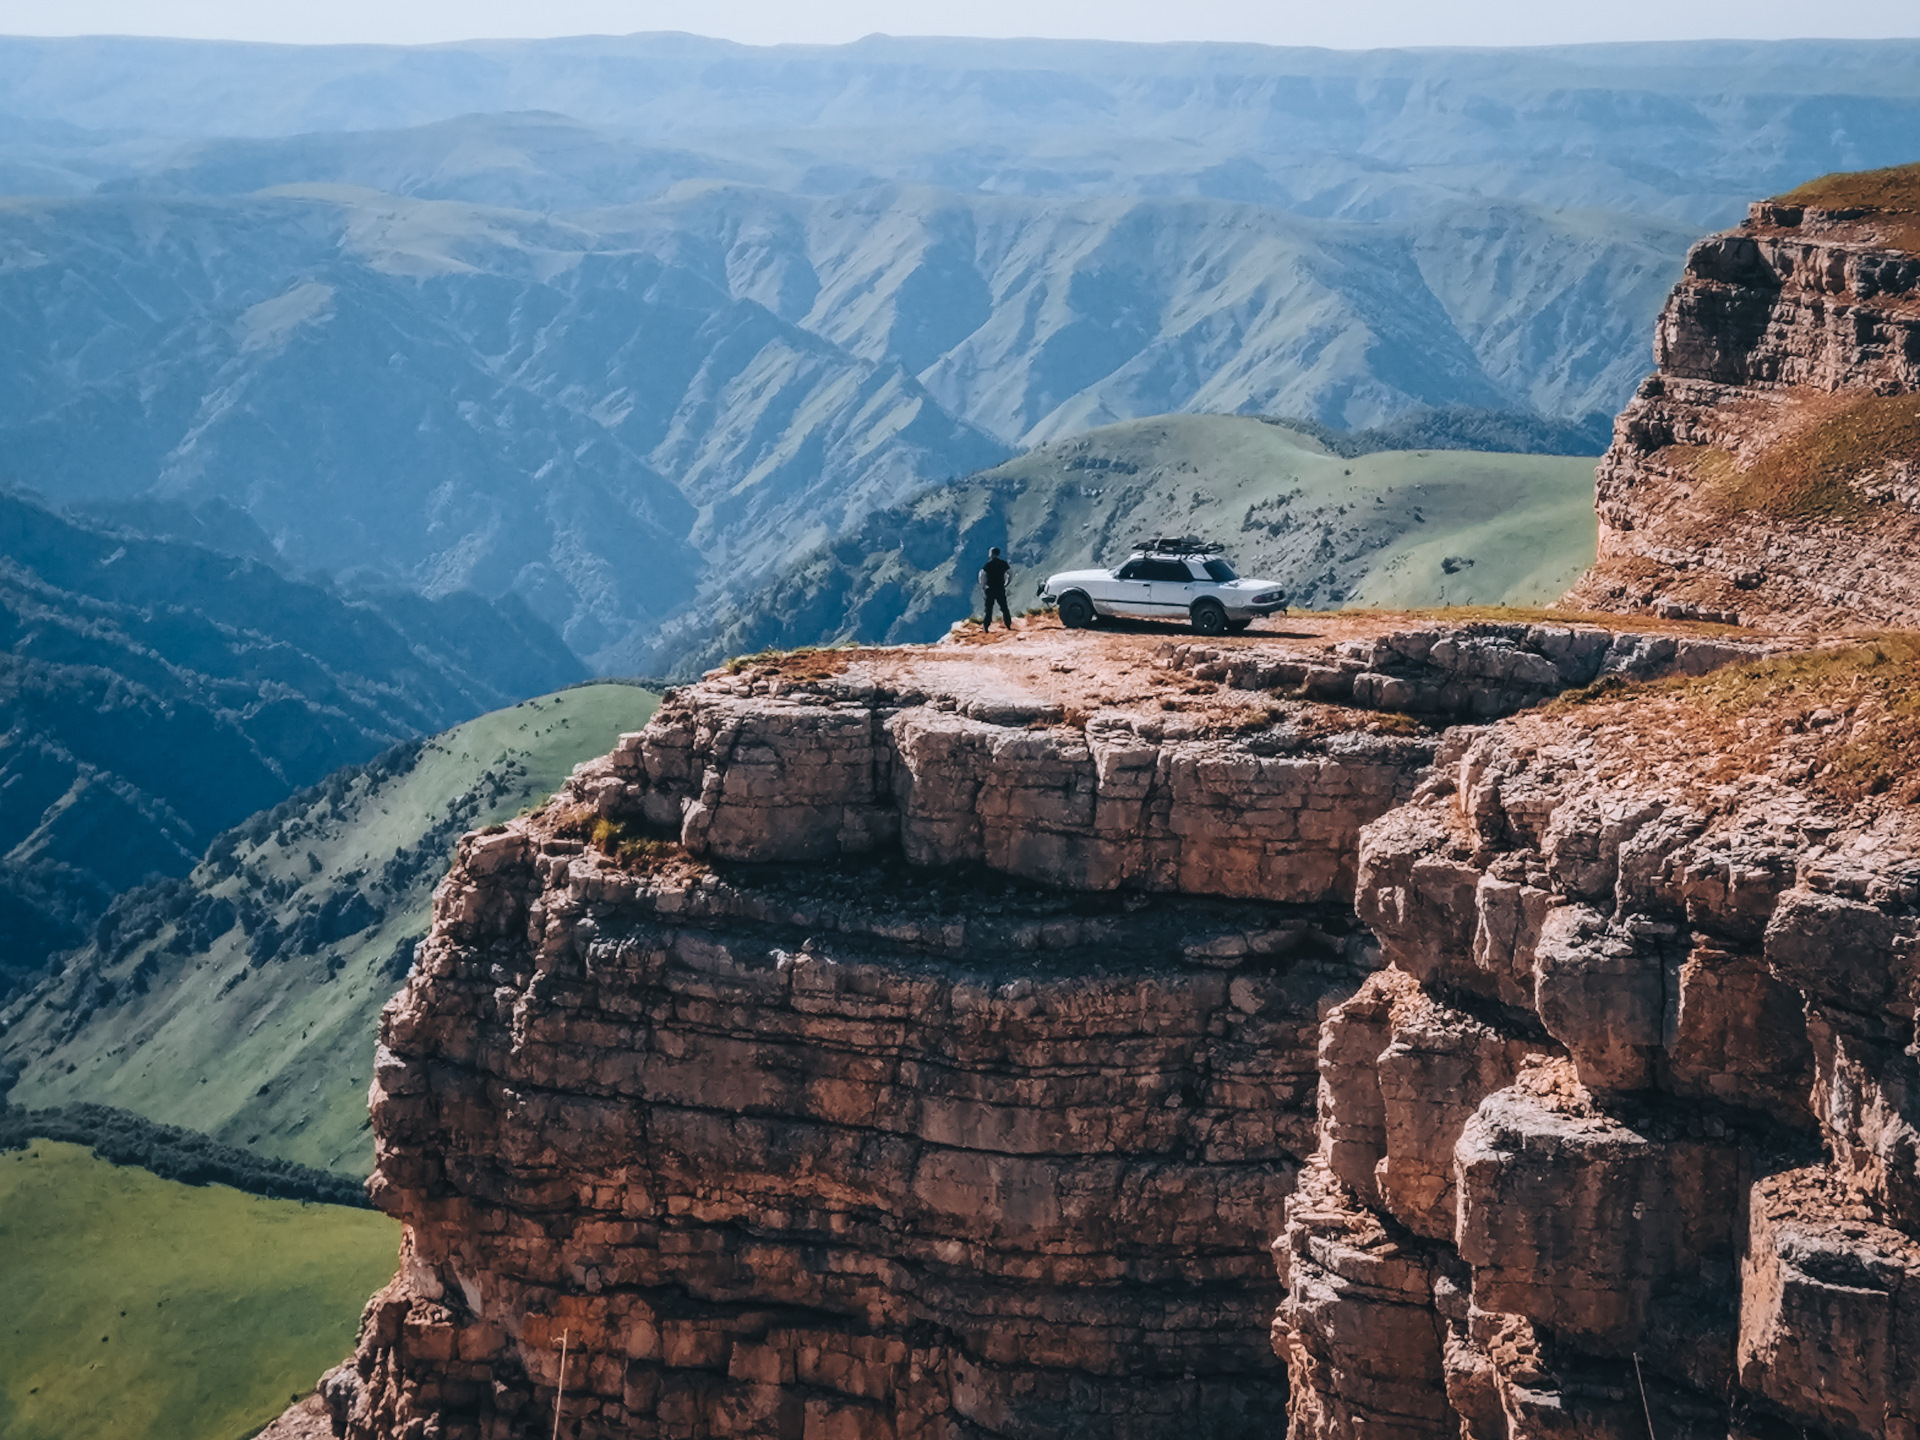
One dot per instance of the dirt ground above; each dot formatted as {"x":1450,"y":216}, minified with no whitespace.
{"x":1045,"y":671}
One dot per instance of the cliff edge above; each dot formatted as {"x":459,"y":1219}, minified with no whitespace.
{"x":1383,"y":1026}
{"x":1770,"y":469}
{"x":931,"y":1043}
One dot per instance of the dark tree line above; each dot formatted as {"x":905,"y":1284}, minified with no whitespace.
{"x":172,"y":1153}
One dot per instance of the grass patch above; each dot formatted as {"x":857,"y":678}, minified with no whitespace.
{"x":629,"y":846}
{"x":1892,"y":189}
{"x":275,"y":1058}
{"x":1893,"y":192}
{"x":1809,"y":476}
{"x":806,"y":662}
{"x":1845,"y":719}
{"x":1897,"y":187}
{"x":215,"y":1307}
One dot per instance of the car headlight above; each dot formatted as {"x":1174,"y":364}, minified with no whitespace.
{"x":1266,"y":597}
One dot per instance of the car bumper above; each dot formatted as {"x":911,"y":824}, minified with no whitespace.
{"x":1254,"y":612}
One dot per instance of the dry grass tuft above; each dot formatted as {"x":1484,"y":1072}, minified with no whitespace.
{"x":1844,"y":720}
{"x":1892,"y":193}
{"x":809,"y":662}
{"x":572,"y":821}
{"x":623,"y":844}
{"x":1810,"y":475}
{"x":1394,"y":722}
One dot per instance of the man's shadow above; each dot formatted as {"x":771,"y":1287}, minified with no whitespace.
{"x":1129,"y":625}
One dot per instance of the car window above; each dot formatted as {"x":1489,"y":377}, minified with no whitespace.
{"x":1132,"y":570}
{"x":1174,"y":570}
{"x":1221,"y":571}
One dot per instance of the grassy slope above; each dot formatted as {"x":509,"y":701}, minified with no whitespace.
{"x":214,"y":1306}
{"x":1381,"y":524}
{"x":1374,"y":529}
{"x":277,"y":1057}
{"x":1891,"y":196}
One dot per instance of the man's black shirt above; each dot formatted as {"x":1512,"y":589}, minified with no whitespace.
{"x":993,"y":575}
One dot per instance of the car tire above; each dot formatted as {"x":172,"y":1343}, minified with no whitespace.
{"x":1209,"y":617}
{"x":1234,"y":627}
{"x":1076,"y":611}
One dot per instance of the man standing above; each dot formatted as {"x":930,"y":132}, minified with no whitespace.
{"x":993,"y":580}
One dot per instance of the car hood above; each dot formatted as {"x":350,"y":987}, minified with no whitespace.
{"x":1077,"y":577}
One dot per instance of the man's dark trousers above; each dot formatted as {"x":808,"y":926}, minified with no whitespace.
{"x":997,"y":597}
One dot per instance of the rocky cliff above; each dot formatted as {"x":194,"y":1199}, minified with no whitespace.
{"x":931,"y":1043}
{"x":935,"y":1042}
{"x":1770,"y":469}
{"x":1622,"y":1135}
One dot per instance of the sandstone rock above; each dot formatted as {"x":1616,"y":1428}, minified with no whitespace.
{"x":1830,"y":1310}
{"x":1094,"y":809}
{"x":1600,"y":990}
{"x":903,"y":1048}
{"x":1358,"y":1329}
{"x":1579,"y":1221}
{"x":1432,"y":1077}
{"x":1771,"y":332}
{"x":774,"y":1148}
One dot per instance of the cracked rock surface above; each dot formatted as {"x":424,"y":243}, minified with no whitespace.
{"x":934,"y":1043}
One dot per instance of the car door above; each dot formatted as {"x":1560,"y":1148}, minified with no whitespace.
{"x":1171,"y":588}
{"x":1130,"y":593}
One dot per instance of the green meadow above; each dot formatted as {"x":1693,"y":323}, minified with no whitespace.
{"x":276,"y":1056}
{"x":142,"y":1309}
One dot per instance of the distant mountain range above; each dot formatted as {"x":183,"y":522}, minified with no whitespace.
{"x":1688,"y":130}
{"x":626,"y":327}
{"x":156,"y":692}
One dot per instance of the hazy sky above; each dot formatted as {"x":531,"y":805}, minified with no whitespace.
{"x":1339,"y":23}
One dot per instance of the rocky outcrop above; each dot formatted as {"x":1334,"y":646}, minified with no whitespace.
{"x":1770,"y":469}
{"x":1595,"y":1156}
{"x":933,"y":1044}
{"x":857,"y":1163}
{"x":1475,"y":671}
{"x":844,"y":1058}
{"x":928,"y":1043}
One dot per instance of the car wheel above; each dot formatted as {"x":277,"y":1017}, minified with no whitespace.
{"x":1076,"y":611}
{"x":1209,"y":617}
{"x":1234,"y":627}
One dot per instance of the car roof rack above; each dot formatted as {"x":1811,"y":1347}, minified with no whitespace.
{"x":1180,"y":545}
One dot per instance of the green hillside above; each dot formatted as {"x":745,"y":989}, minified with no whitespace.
{"x":1408,"y":528}
{"x":157,"y":691}
{"x":142,"y":1309}
{"x":243,"y":1001}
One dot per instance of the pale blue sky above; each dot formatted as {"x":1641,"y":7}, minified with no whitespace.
{"x":1347,"y":24}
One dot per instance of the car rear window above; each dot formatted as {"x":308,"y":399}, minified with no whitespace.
{"x":1221,"y":571}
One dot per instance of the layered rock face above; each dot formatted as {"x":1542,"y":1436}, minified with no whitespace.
{"x":1770,"y":469}
{"x":933,"y":1044}
{"x":1623,"y":1136}
{"x":820,"y":1116}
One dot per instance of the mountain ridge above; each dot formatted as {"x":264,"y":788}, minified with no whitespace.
{"x":159,"y":691}
{"x":239,"y":998}
{"x":505,"y":316}
{"x":1359,"y":524}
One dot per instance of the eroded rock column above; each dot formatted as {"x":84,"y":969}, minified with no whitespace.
{"x":1624,"y":1135}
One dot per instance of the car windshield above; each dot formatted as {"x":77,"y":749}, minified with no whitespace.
{"x":1221,"y":571}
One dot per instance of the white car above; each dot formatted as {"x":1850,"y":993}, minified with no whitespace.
{"x":1166,"y":580}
